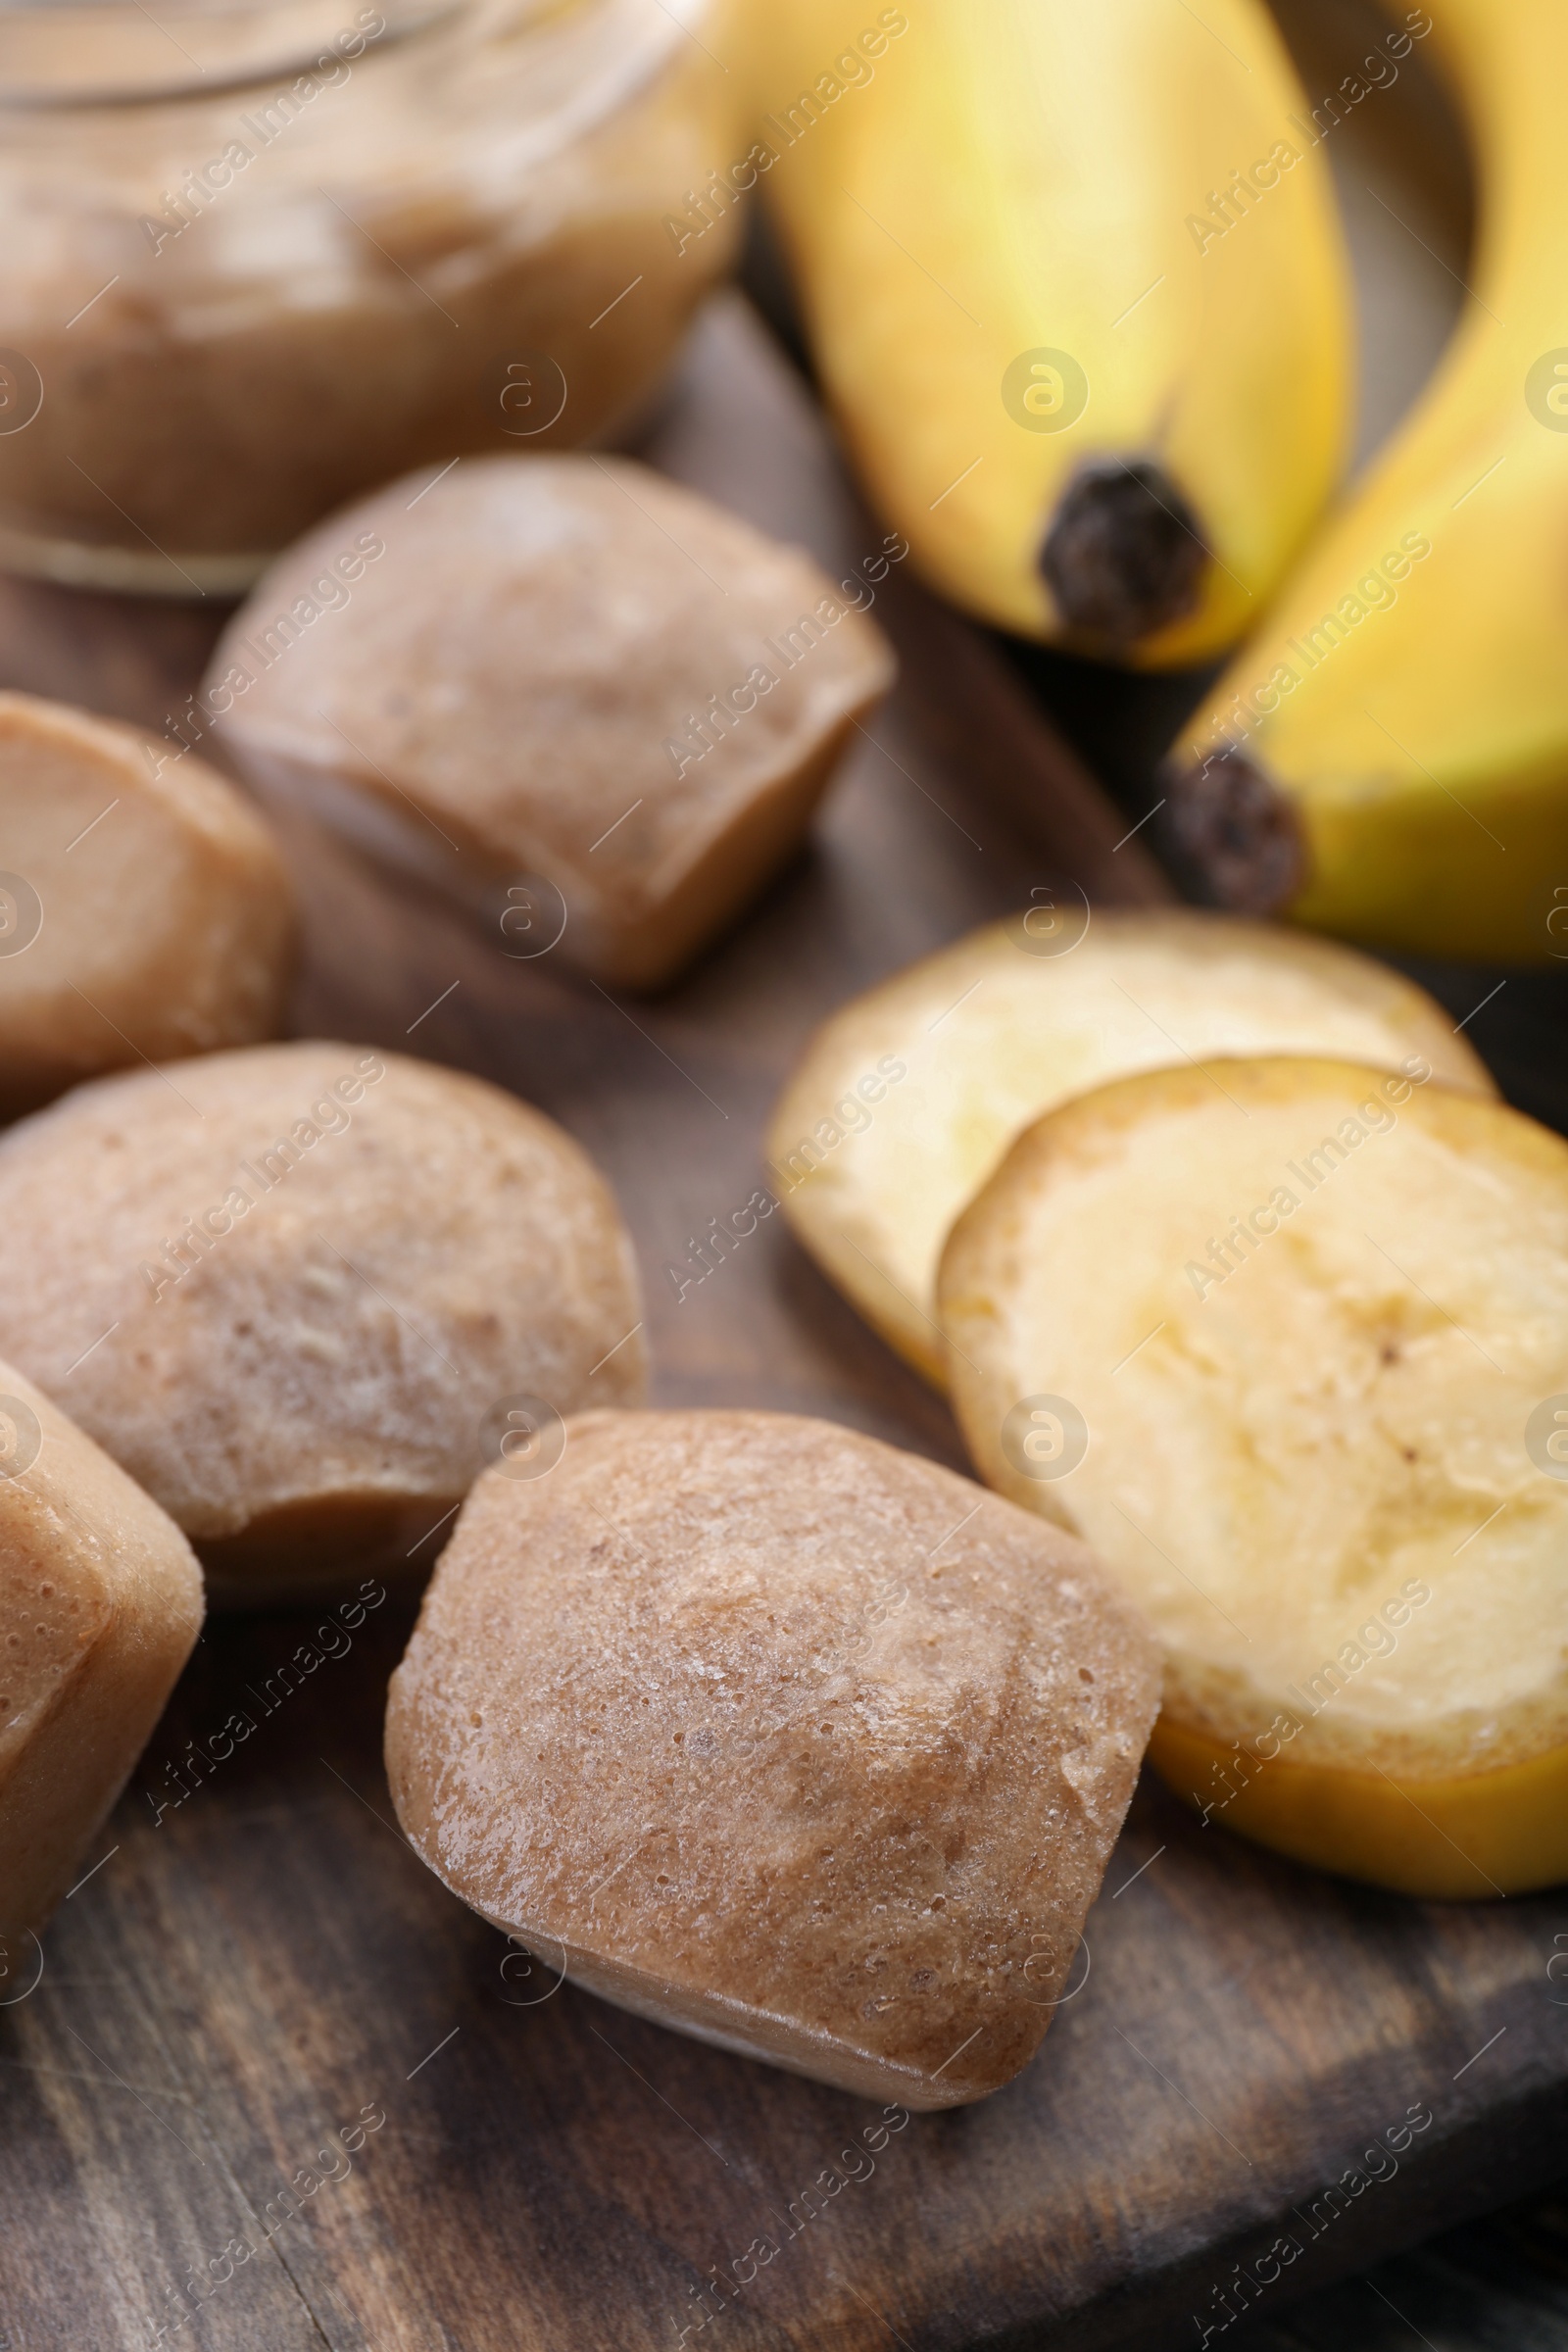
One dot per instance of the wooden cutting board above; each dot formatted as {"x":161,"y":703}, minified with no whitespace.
{"x":265,"y":1965}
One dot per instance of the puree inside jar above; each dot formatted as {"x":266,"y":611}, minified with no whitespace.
{"x":232,"y":301}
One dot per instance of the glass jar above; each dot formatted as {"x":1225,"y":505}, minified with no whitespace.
{"x":254,"y":259}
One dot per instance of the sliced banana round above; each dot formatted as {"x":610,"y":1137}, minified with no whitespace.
{"x":908,"y":1097}
{"x":1288,"y":1342}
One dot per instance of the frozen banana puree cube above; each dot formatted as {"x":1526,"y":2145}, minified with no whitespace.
{"x":775,"y":1734}
{"x":565,"y":689}
{"x":100,"y":1606}
{"x":145,"y":911}
{"x":304,"y":1292}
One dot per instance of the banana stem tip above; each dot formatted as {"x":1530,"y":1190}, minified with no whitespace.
{"x":1124,"y":556}
{"x":1231,"y":833}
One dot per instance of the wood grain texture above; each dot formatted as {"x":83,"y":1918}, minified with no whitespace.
{"x":251,"y":1970}
{"x":1498,"y":2285}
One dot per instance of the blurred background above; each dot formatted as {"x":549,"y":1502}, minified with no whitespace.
{"x":1056,"y":797}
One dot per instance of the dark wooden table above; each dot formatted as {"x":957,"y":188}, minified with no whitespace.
{"x":269,"y":1962}
{"x":1496,"y":2285}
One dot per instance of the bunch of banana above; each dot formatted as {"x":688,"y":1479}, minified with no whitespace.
{"x":1074,"y":284}
{"x":1388,"y":759}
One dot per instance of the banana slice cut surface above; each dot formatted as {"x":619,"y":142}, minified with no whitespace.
{"x":1288,"y":1342}
{"x":908,"y":1097}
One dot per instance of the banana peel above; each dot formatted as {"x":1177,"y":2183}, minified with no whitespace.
{"x":1462,"y":1837}
{"x":1388,"y":758}
{"x":1076,"y":291}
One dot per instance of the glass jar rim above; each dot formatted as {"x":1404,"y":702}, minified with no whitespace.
{"x":69,"y":53}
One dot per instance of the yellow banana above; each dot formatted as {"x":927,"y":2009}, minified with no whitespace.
{"x":1074,"y":282}
{"x":1388,"y":759}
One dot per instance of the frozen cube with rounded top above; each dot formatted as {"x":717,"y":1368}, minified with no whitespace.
{"x":297,"y":1292}
{"x":145,"y":909}
{"x":100,"y":1606}
{"x":583,"y":700}
{"x":778,"y":1736}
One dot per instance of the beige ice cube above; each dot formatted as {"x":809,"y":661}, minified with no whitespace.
{"x":100,"y":1606}
{"x":778,"y":1736}
{"x":145,"y":911}
{"x":304,"y":1292}
{"x":557,"y":669}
